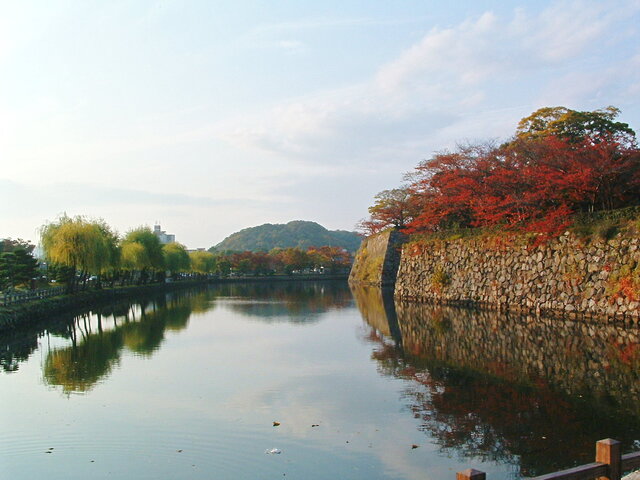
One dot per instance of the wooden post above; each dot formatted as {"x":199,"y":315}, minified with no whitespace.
{"x":471,"y":474}
{"x":608,"y":451}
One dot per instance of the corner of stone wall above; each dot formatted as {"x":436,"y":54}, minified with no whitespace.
{"x":377,"y":260}
{"x":392,"y":258}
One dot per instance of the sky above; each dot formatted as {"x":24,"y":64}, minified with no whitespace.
{"x":213,"y":116}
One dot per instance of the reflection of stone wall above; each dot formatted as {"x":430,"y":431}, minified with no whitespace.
{"x":377,"y":308}
{"x":565,"y":275}
{"x":602,"y":360}
{"x":377,"y":259}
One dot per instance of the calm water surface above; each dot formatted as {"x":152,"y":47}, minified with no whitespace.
{"x":188,"y":385}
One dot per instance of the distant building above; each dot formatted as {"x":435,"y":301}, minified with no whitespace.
{"x":163,"y":236}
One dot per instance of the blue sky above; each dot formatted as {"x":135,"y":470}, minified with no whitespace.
{"x":214,"y":116}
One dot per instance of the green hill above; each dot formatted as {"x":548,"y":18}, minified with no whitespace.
{"x":293,"y":234}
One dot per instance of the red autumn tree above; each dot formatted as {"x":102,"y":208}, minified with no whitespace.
{"x":560,"y":163}
{"x":332,"y":258}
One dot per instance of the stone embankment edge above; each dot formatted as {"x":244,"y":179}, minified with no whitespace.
{"x":568,"y":276}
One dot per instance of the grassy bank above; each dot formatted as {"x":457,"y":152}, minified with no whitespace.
{"x":17,"y":315}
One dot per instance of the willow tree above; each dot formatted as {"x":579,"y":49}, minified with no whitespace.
{"x":202,"y":262}
{"x":142,"y":252}
{"x":176,"y":257}
{"x":87,"y":247}
{"x":109,"y":256}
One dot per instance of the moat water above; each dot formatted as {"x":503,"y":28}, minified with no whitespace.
{"x":212,"y":382}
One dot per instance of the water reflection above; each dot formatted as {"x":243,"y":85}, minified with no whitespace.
{"x":480,"y":385}
{"x":98,"y":337}
{"x":294,"y":302}
{"x":17,"y":347}
{"x":98,"y":340}
{"x":80,"y":367}
{"x":506,"y":388}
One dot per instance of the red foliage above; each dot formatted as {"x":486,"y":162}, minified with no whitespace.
{"x":529,"y":184}
{"x":627,"y":289}
{"x":370,"y":227}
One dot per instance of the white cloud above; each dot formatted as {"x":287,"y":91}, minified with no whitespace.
{"x":430,"y":62}
{"x":565,"y":29}
{"x":452,"y":77}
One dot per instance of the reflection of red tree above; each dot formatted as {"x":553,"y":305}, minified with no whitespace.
{"x":287,"y":298}
{"x":626,"y":355}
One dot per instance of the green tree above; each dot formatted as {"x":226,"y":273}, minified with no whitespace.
{"x":223,"y":264}
{"x":142,"y":252}
{"x":576,"y":125}
{"x":176,"y":257}
{"x":202,"y":262}
{"x":17,"y":267}
{"x":9,"y":245}
{"x":60,"y":273}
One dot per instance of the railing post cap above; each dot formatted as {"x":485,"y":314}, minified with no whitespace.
{"x":608,"y":441}
{"x":471,"y":473}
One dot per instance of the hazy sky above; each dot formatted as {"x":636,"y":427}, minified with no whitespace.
{"x":214,"y":116}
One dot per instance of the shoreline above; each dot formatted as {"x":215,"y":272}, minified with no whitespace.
{"x":35,"y":311}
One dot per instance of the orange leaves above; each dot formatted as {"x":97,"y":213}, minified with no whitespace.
{"x":627,"y":288}
{"x":530,"y":185}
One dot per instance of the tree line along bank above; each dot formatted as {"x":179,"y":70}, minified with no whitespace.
{"x":79,"y":251}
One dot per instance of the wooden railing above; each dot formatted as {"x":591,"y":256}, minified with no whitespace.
{"x":12,"y":297}
{"x":609,"y":464}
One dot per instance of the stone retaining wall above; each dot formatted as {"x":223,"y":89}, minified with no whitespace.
{"x":566,"y":275}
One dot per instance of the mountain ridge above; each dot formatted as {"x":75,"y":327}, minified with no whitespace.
{"x":296,"y":233}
